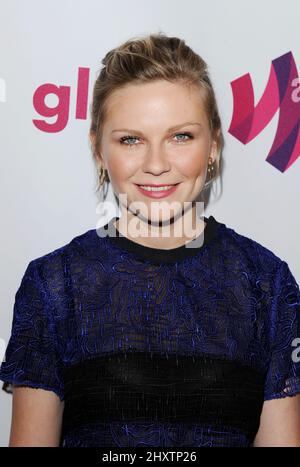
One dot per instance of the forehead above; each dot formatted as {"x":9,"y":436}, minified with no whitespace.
{"x":158,"y":101}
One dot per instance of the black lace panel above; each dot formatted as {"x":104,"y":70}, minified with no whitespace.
{"x":151,"y":387}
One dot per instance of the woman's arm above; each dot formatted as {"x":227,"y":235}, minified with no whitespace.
{"x":36,"y":418}
{"x":279,"y":423}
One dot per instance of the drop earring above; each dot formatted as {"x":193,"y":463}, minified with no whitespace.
{"x":210,"y":172}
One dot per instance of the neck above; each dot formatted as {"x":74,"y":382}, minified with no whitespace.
{"x":163,"y":236}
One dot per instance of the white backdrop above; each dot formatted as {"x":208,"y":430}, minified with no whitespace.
{"x":48,"y":178}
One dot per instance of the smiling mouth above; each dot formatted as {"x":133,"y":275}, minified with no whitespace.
{"x":157,"y":186}
{"x":157,"y":191}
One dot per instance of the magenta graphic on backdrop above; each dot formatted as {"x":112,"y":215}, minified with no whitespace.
{"x":281,"y":93}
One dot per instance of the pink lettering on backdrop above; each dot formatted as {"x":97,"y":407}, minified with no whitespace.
{"x":61,"y":110}
{"x":82,"y":93}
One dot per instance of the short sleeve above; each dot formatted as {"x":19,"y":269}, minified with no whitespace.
{"x":283,"y":375}
{"x":31,"y":357}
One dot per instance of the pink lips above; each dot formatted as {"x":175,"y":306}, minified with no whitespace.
{"x":157,"y":194}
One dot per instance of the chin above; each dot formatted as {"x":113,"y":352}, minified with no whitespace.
{"x":158,"y":219}
{"x":147,"y":212}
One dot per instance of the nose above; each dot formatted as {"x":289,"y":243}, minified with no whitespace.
{"x":156,"y":161}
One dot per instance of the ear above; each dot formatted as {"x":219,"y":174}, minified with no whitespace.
{"x":214,"y":151}
{"x":215,"y":145}
{"x":98,"y":155}
{"x":92,"y":137}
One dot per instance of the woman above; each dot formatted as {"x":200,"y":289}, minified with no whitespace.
{"x":161,"y":328}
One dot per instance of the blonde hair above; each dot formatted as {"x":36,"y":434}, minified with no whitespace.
{"x":152,"y":57}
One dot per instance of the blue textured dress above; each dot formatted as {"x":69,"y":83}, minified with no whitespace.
{"x":155,"y":347}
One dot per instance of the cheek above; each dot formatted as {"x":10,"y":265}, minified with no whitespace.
{"x":193,"y":164}
{"x":119,"y":167}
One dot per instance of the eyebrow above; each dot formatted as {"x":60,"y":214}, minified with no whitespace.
{"x":172,"y":128}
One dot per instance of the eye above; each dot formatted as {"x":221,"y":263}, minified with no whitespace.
{"x":189,"y":135}
{"x":124,"y":140}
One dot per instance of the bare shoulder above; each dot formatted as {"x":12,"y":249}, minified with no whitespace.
{"x":36,"y":417}
{"x":279,"y":423}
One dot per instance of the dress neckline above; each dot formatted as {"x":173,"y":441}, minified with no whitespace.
{"x":159,"y":255}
